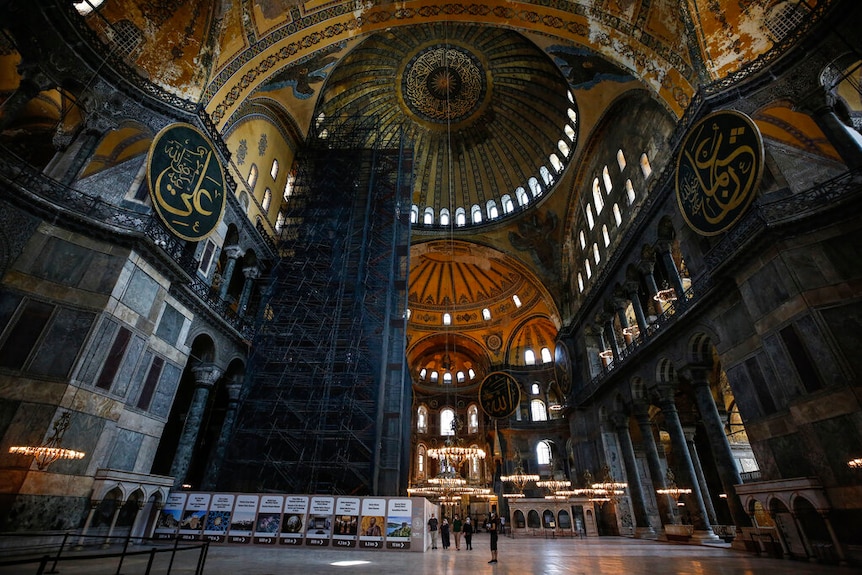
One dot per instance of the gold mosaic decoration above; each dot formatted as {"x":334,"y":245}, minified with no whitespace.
{"x":443,"y":84}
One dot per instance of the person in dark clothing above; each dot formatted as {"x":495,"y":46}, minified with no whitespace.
{"x":432,"y":527}
{"x":444,"y":533}
{"x":493,"y":529}
{"x":468,"y":533}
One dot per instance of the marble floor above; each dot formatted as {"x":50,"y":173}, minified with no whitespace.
{"x":606,"y":555}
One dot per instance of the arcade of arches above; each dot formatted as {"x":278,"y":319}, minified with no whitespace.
{"x":539,"y":235}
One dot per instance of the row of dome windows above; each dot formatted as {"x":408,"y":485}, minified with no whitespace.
{"x":486,"y":312}
{"x":460,"y":377}
{"x":538,"y":412}
{"x":599,"y":202}
{"x":507,"y":203}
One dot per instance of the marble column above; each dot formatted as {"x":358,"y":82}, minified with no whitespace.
{"x":646,"y":267}
{"x":836,"y":543}
{"x":205,"y":377}
{"x":666,"y":505}
{"x":725,"y":463}
{"x":685,"y":473}
{"x":664,"y":249}
{"x":643,"y":529}
{"x":632,"y":289}
{"x":233,"y":253}
{"x":612,"y":337}
{"x":119,"y":503}
{"x":251,"y":274}
{"x":94,"y":504}
{"x":701,"y":483}
{"x":210,"y":480}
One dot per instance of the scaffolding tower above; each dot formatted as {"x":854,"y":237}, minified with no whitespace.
{"x":326,"y":407}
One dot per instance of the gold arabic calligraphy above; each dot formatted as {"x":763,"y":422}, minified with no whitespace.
{"x":499,"y":395}
{"x":179,"y":188}
{"x":717,"y":185}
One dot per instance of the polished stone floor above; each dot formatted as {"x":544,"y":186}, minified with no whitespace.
{"x":606,"y":555}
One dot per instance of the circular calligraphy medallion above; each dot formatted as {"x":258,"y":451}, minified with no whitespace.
{"x":718,"y":170}
{"x":187,"y":184}
{"x":499,"y":394}
{"x":444,"y":84}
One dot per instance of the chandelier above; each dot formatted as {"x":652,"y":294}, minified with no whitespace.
{"x":665,"y":295}
{"x":672,"y":489}
{"x":518,"y":479}
{"x":50,"y":451}
{"x":455,"y":454}
{"x":855,"y":463}
{"x":555,"y":483}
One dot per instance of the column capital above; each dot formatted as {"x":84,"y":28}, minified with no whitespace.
{"x":646,"y":266}
{"x":619,"y":420}
{"x":631,"y":288}
{"x":251,"y":272}
{"x":698,"y":375}
{"x":664,"y":394}
{"x":620,"y":304}
{"x":664,"y":246}
{"x":233,"y":389}
{"x":233,"y":252}
{"x":206,"y":374}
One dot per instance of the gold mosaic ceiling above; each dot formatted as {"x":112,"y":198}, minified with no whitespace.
{"x":463,"y":95}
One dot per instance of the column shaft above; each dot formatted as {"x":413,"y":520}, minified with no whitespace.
{"x":642,"y":524}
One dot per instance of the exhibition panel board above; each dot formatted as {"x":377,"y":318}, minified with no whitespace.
{"x":393,"y":523}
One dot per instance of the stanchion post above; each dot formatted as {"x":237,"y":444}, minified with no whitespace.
{"x":59,"y":551}
{"x":150,"y":561}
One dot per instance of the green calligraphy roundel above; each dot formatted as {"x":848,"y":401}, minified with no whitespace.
{"x":499,"y":394}
{"x":187,"y":184}
{"x":718,"y":170}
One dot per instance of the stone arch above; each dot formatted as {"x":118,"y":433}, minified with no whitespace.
{"x":665,"y":372}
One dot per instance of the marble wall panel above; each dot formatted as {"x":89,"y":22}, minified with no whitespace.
{"x":61,"y":344}
{"x":141,"y":292}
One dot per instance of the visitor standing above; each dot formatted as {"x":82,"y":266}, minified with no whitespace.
{"x":493,"y":529}
{"x":468,"y":533}
{"x":456,"y":529}
{"x":432,"y":527}
{"x":444,"y":533}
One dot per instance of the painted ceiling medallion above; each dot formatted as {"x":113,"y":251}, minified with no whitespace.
{"x":444,"y":84}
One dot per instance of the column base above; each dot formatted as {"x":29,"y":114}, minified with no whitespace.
{"x":645,"y":533}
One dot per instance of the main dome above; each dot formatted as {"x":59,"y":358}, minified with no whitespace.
{"x":491,"y":119}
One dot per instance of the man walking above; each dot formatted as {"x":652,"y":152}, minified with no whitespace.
{"x":493,"y":529}
{"x":432,"y":527}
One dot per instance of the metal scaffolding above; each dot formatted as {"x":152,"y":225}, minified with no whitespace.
{"x":327,"y":401}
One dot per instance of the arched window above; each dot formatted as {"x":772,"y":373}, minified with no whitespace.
{"x":422,"y":419}
{"x":582,"y":238}
{"x":444,"y":216}
{"x":476,"y":214}
{"x":516,"y":299}
{"x":447,"y":422}
{"x":590,"y":221}
{"x":529,"y":357}
{"x":420,"y":462}
{"x":508,"y":205}
{"x":460,"y":217}
{"x":555,"y":162}
{"x":521,"y":196}
{"x":645,"y":167}
{"x":428,"y":216}
{"x":597,"y":198}
{"x":588,"y":268}
{"x":447,"y":318}
{"x":606,"y":178}
{"x":630,"y":192}
{"x":471,"y":373}
{"x":491,"y":209}
{"x":422,"y":374}
{"x":580,"y":282}
{"x":535,"y":187}
{"x":486,"y":314}
{"x":460,"y":377}
{"x":273,"y":171}
{"x":252,"y":177}
{"x":267,"y":199}
{"x":538,"y":412}
{"x":534,"y":389}
{"x":621,"y":159}
{"x":414,"y":214}
{"x":605,"y":236}
{"x":279,"y":222}
{"x":570,"y":132}
{"x":434,"y":376}
{"x":473,"y":419}
{"x":564,"y":148}
{"x":618,"y":217}
{"x":546,"y":175}
{"x":572,"y":116}
{"x":596,"y":255}
{"x":447,"y":378}
{"x":543,"y":453}
{"x":546,"y":355}
{"x":288,"y":186}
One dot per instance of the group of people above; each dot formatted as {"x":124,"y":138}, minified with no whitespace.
{"x":465,"y":528}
